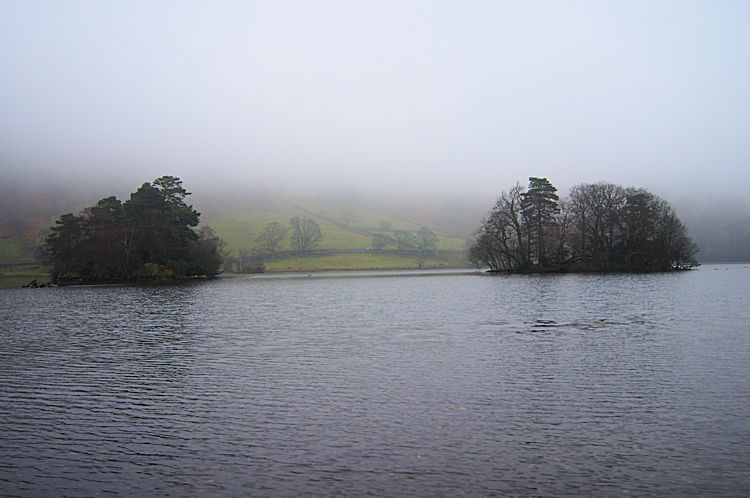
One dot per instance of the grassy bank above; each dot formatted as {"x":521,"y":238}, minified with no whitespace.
{"x":20,"y":275}
{"x":361,"y":261}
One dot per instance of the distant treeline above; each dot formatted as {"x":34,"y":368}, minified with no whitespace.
{"x":598,"y":227}
{"x":150,"y":236}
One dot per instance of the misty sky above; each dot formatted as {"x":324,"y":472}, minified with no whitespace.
{"x":466,"y":95}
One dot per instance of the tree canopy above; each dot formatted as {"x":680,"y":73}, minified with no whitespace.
{"x":151,"y":235}
{"x":598,"y":227}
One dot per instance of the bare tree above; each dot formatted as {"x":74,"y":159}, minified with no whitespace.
{"x":380,"y":240}
{"x":597,"y":210}
{"x":426,"y":240}
{"x":271,"y":236}
{"x":560,"y":232}
{"x":501,"y":241}
{"x":305,"y":233}
{"x":404,"y":240}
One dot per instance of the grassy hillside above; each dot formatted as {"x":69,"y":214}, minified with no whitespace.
{"x":346,"y":224}
{"x":343,"y":226}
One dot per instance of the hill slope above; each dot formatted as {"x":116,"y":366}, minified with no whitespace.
{"x":346,"y":225}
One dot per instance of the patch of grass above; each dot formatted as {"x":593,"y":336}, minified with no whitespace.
{"x":449,"y":243}
{"x":336,"y":237}
{"x":362,"y":261}
{"x":240,"y":228}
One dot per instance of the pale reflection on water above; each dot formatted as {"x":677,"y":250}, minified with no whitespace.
{"x":338,"y":384}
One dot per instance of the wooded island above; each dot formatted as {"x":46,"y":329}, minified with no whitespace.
{"x":598,"y":227}
{"x":150,"y":236}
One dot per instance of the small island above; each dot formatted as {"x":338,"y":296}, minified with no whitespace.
{"x":151,"y":236}
{"x":599,"y":227}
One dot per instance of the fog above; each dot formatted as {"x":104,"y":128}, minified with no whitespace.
{"x":428,"y":97}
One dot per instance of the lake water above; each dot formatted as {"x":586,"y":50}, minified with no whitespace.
{"x":401,"y":383}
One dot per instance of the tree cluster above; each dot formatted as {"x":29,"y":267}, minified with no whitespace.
{"x":151,"y":235}
{"x":423,"y":240}
{"x":598,"y":227}
{"x":305,"y":235}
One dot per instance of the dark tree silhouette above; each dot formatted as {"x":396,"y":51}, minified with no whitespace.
{"x":602,"y":227}
{"x":539,"y":206}
{"x":501,"y":241}
{"x":151,"y":235}
{"x":271,"y":236}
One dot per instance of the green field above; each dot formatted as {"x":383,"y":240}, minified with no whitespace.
{"x":361,"y":261}
{"x":342,"y":226}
